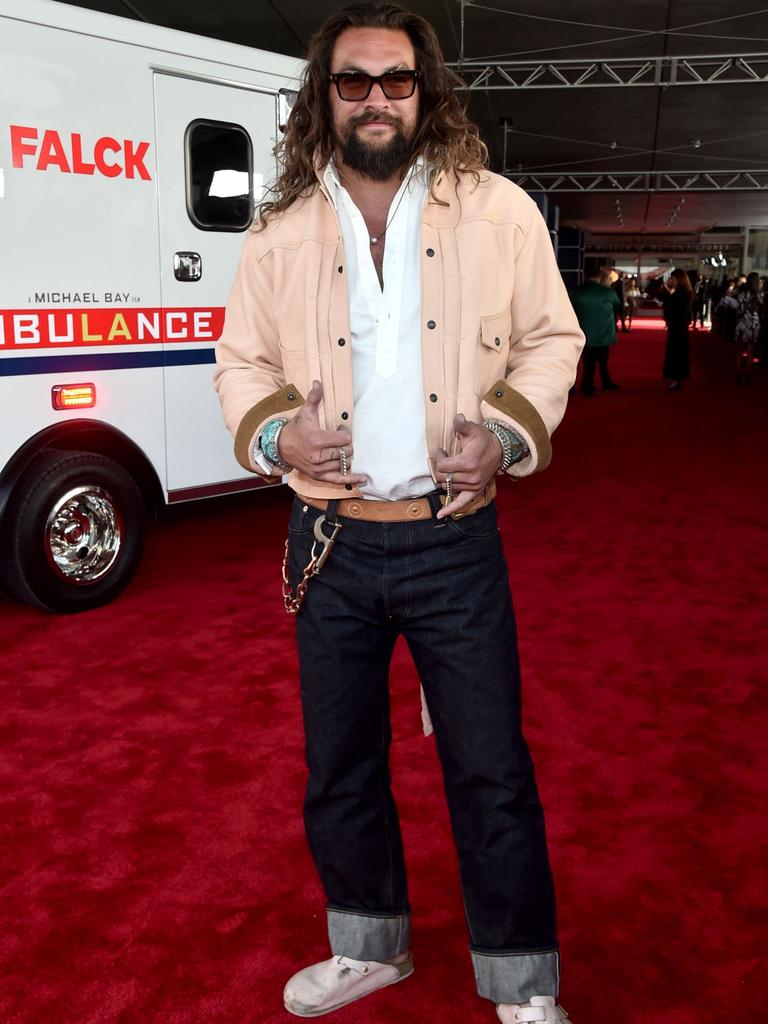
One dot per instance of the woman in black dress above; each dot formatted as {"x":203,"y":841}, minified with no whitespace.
{"x":677,"y":298}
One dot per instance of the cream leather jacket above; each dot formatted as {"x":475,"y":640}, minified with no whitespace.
{"x":499,"y":337}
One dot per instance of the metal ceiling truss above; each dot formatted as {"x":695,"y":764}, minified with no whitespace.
{"x":643,"y":181}
{"x":736,"y":69}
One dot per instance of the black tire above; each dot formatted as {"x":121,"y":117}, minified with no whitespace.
{"x":82,"y":555}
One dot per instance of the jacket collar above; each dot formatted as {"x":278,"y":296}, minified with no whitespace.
{"x":444,"y":209}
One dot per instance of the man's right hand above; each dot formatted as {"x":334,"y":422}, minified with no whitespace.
{"x":304,"y":445}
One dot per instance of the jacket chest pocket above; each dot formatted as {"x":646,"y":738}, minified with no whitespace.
{"x":492,"y":350}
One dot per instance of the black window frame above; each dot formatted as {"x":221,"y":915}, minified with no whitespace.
{"x":212,"y":122}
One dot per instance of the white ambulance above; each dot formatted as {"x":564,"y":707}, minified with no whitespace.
{"x":131,"y":157}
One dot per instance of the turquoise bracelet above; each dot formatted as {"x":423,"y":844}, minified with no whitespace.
{"x":268,"y":443}
{"x":513,"y":447}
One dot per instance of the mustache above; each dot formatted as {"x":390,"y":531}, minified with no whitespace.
{"x":371,"y":117}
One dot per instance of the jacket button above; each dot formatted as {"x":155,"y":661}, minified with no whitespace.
{"x":345,"y":415}
{"x":348,"y":486}
{"x":291,"y":397}
{"x":433,"y":397}
{"x":430,"y":252}
{"x":499,"y":394}
{"x":497,"y":340}
{"x":341,"y":270}
{"x":342,"y":342}
{"x":431,"y":325}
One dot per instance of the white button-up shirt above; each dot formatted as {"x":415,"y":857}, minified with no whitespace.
{"x":390,"y":443}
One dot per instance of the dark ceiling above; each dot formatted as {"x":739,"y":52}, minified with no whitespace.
{"x":704,"y":128}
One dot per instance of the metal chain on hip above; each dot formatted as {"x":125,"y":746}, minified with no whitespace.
{"x":318,"y":558}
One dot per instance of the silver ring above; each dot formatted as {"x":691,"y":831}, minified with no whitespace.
{"x":343,"y":461}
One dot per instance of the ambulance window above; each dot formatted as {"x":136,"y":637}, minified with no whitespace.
{"x":219,"y":163}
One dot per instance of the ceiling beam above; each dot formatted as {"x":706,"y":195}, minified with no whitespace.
{"x":722,"y":69}
{"x":644,"y":181}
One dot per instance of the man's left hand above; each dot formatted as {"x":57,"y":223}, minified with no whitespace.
{"x":480,"y":457}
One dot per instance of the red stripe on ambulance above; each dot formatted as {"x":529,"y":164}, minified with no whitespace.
{"x":73,"y":328}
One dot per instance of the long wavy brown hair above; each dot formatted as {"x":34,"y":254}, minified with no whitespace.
{"x":683,"y":281}
{"x":444,"y":137}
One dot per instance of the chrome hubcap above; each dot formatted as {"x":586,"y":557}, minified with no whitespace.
{"x":83,"y":534}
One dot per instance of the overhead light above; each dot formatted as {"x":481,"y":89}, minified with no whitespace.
{"x":696,"y":143}
{"x":614,"y":144}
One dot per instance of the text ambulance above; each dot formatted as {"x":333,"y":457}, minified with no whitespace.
{"x":131,"y":157}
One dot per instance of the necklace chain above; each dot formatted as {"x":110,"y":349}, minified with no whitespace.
{"x":377,"y":238}
{"x":389,"y":219}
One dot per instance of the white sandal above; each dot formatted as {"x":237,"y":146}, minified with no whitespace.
{"x":334,"y":983}
{"x":540,"y":1008}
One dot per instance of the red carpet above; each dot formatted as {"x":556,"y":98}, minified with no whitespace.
{"x":152,"y":861}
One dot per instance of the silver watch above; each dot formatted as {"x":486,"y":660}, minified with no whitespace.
{"x":514,"y":448}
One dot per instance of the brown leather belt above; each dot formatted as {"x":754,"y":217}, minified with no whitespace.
{"x":397,"y":511}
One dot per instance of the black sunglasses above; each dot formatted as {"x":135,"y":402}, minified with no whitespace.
{"x":356,"y":85}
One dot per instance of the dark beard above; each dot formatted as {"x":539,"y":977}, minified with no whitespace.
{"x":376,"y":162}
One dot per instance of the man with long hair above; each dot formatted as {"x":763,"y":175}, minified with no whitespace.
{"x":397,"y":335}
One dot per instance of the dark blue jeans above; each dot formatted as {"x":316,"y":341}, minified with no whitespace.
{"x":444,"y":586}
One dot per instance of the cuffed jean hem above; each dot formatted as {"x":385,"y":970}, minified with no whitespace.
{"x":515,"y":977}
{"x":363,"y":936}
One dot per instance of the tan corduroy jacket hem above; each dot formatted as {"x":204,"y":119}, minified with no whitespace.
{"x":499,"y":338}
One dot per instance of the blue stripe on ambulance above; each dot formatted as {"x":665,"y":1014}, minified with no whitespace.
{"x":14,"y":366}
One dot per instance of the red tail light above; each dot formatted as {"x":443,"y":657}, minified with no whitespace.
{"x":73,"y":396}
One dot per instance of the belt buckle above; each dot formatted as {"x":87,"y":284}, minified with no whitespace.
{"x":474,"y":506}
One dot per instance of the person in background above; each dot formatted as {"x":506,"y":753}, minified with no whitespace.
{"x":596,"y":305}
{"x":677,"y":300}
{"x":618,"y":287}
{"x":398,"y":334}
{"x":632,"y":298}
{"x":700,"y":292}
{"x":748,"y":306}
{"x":654,"y":289}
{"x":763,"y":335}
{"x":722,"y":319}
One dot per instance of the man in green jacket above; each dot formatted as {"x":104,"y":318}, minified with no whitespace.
{"x":597,"y":306}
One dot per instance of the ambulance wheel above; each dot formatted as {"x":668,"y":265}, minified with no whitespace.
{"x":75,"y":532}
